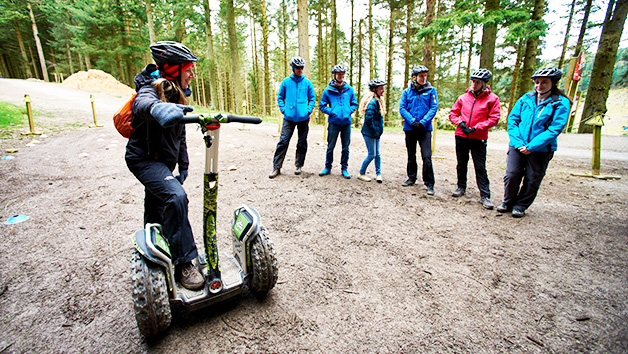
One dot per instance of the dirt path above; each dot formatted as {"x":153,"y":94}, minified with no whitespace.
{"x":364,"y":267}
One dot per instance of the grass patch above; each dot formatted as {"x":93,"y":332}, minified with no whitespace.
{"x":11,"y":115}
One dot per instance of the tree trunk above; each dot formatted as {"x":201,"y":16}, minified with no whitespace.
{"x":267,"y":103}
{"x":470,"y":55}
{"x":358,"y":90}
{"x":67,"y":47}
{"x":566,"y":41}
{"x":428,"y":44}
{"x":284,"y":29}
{"x":88,"y":61}
{"x":304,"y":35}
{"x":460,"y":56}
{"x":532,"y":44}
{"x":515,"y":76}
{"x":351,"y":48}
{"x":151,"y":24}
{"x":583,"y":28}
{"x":391,"y":49}
{"x":334,"y":34}
{"x":406,"y":75}
{"x":602,"y":74}
{"x":20,"y":42}
{"x":235,"y":57}
{"x":489,"y":34}
{"x":40,"y":50}
{"x":319,"y":47}
{"x":371,"y":61}
{"x":209,"y":41}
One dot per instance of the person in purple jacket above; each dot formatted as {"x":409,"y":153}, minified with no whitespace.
{"x":418,"y":107}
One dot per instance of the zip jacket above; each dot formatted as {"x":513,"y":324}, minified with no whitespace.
{"x":418,"y":104}
{"x":373,"y":126}
{"x":481,"y":113}
{"x":537,"y":126}
{"x":149,"y":140}
{"x":338,"y":103}
{"x":296,"y":98}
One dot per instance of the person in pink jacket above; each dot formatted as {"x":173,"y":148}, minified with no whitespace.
{"x":475,"y":112}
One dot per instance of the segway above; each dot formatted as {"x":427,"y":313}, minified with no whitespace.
{"x":253,"y":264}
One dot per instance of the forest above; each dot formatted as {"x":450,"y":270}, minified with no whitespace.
{"x":245,"y":45}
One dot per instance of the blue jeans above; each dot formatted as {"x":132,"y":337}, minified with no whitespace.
{"x":287,"y":129}
{"x":345,"y":138}
{"x":372,"y":145}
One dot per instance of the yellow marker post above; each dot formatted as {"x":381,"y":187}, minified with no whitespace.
{"x":244,"y":106}
{"x":91,"y":97}
{"x":597,"y":123}
{"x":29,"y":111}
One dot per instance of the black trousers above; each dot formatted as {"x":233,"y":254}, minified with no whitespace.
{"x":529,"y":168}
{"x":424,"y":138}
{"x":478,"y":153}
{"x":287,"y":129}
{"x":166,"y":203}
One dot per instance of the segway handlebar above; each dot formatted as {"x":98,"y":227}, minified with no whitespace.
{"x":219,"y":118}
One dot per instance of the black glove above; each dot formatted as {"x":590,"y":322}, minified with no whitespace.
{"x":468,"y":130}
{"x":182,"y":176}
{"x":416,"y":124}
{"x":169,"y":114}
{"x":463,"y":126}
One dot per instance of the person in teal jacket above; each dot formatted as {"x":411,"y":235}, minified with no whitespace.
{"x":534,"y":124}
{"x":418,"y":106}
{"x":373,"y":108}
{"x":338,"y":102}
{"x":296,"y":101}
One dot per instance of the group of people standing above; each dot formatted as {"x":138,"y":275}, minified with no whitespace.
{"x":534,"y":124}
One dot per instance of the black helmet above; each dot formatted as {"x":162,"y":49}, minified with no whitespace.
{"x":338,"y":69}
{"x":297,"y":61}
{"x":419,"y":69}
{"x":376,"y":83}
{"x":169,"y":52}
{"x":481,"y":74}
{"x":553,"y":73}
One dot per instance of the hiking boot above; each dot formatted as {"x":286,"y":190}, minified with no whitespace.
{"x":276,"y":172}
{"x":518,"y":213}
{"x":364,"y":178}
{"x":190,"y":277}
{"x":346,"y":174}
{"x":408,"y":183}
{"x":503,"y":208}
{"x":459,"y":192}
{"x":297,"y":171}
{"x":486,"y":203}
{"x":430,"y":190}
{"x":379,"y":179}
{"x":325,"y":172}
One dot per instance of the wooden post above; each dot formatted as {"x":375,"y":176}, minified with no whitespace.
{"x":29,"y":111}
{"x":91,"y":97}
{"x":597,"y":123}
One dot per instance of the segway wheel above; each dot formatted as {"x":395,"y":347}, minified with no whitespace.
{"x":264,"y":264}
{"x":150,"y":296}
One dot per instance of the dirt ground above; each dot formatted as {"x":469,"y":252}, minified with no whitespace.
{"x":363,"y":267}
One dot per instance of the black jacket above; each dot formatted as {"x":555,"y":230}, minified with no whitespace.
{"x":150,"y":141}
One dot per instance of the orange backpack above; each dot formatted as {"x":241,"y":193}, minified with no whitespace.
{"x":123,"y":117}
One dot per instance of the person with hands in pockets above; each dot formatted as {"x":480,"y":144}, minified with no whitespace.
{"x":373,"y":108}
{"x":534,"y":124}
{"x":338,"y":101}
{"x":475,"y":112}
{"x":296,"y":101}
{"x":418,"y":107}
{"x":157,"y":145}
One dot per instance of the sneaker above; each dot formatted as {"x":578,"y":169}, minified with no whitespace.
{"x":190,"y":277}
{"x":276,"y":172}
{"x":430,"y":190}
{"x":346,"y":174}
{"x":503,"y":208}
{"x":379,"y":179}
{"x":518,"y":213}
{"x":408,"y":183}
{"x":298,"y":171}
{"x":486,"y":203}
{"x":459,"y":192}
{"x":364,"y":178}
{"x":324,"y":172}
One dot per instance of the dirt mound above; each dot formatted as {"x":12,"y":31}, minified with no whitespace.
{"x":96,"y":80}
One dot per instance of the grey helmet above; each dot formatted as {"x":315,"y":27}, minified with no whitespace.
{"x":376,"y":83}
{"x":172,"y":53}
{"x":297,"y":61}
{"x":419,"y":69}
{"x":553,"y":74}
{"x":481,"y":74}
{"x":338,"y":69}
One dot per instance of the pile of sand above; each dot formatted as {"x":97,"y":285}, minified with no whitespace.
{"x":96,"y":80}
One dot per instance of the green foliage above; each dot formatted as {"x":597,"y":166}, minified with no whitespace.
{"x":11,"y":116}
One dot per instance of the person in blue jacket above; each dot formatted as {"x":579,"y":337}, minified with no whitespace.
{"x":296,"y":101}
{"x":373,"y":108}
{"x":418,"y":106}
{"x":534,"y":124}
{"x":338,"y":102}
{"x":158,"y":144}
